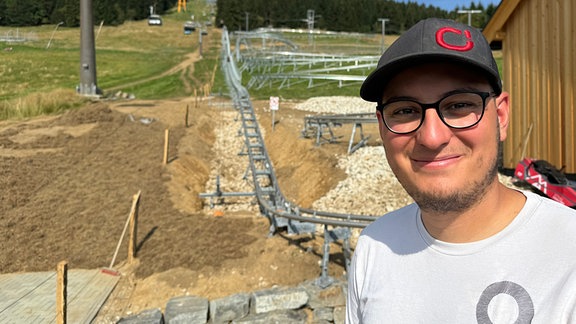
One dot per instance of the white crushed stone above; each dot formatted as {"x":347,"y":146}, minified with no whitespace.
{"x":370,"y":188}
{"x":230,"y":165}
{"x":337,"y":105}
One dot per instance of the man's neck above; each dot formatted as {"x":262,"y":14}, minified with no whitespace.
{"x":497,"y":208}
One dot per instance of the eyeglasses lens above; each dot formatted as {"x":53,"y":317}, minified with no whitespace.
{"x":460,"y":110}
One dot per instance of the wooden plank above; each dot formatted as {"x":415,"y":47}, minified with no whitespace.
{"x":36,"y":299}
{"x":98,"y":287}
{"x":31,"y":297}
{"x":16,"y":287}
{"x":568,"y":81}
{"x":499,"y":19}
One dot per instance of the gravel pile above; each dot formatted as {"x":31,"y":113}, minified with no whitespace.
{"x":230,"y":166}
{"x":337,"y":105}
{"x":370,"y":188}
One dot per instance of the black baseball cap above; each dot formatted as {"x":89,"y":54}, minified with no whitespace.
{"x":433,"y":40}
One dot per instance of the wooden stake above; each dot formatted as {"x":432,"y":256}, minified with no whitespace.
{"x":187,"y":111}
{"x":62,"y":282}
{"x":135,"y":200}
{"x":166,"y":138}
{"x":133,"y":227}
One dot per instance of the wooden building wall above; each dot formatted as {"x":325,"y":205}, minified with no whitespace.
{"x":539,"y":72}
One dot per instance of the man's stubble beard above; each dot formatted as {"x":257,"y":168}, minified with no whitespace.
{"x":457,"y":200}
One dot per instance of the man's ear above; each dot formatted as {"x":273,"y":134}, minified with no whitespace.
{"x":503,"y":113}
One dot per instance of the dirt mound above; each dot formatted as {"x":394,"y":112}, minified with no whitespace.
{"x":67,"y":185}
{"x":70,"y":203}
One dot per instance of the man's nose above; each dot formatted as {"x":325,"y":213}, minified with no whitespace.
{"x":433,"y":133}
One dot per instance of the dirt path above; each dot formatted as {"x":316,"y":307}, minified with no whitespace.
{"x":186,"y":67}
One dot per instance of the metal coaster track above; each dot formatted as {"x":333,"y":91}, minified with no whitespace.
{"x":272,"y":203}
{"x":315,"y":125}
{"x":267,"y":64}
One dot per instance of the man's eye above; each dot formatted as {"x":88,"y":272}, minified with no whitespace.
{"x":461,"y":108}
{"x":405,"y":111}
{"x":459,"y":105}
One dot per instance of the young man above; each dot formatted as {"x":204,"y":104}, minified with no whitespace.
{"x":470,"y":250}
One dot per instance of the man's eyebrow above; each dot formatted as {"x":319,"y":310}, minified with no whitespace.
{"x":463,"y":89}
{"x":397,"y":98}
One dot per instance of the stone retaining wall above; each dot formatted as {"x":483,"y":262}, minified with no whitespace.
{"x":306,"y":303}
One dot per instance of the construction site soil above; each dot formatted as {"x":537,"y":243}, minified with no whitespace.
{"x":67,"y":184}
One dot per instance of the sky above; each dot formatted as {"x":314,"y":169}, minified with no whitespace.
{"x":451,"y":4}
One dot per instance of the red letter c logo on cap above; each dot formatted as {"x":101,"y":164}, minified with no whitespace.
{"x":463,"y":48}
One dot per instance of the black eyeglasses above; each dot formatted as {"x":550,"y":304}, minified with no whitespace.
{"x":456,"y":110}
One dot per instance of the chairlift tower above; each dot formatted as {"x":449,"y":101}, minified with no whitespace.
{"x":247,"y":15}
{"x":383,"y":20}
{"x":310,"y":22}
{"x":88,"y":85}
{"x":469,"y":12}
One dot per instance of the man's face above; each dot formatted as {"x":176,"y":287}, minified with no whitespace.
{"x":442,"y":168}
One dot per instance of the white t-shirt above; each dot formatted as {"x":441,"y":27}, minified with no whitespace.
{"x":526,"y":273}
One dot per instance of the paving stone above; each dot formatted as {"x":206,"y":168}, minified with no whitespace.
{"x":331,"y":296}
{"x":186,"y":310}
{"x":278,"y":299}
{"x":224,"y":310}
{"x":149,"y":316}
{"x":276,"y":317}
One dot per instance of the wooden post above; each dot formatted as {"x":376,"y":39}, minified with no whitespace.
{"x":135,"y":203}
{"x":166,"y":138}
{"x":195,"y":98}
{"x":187,"y":112}
{"x":133,"y":227}
{"x":62,"y":282}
